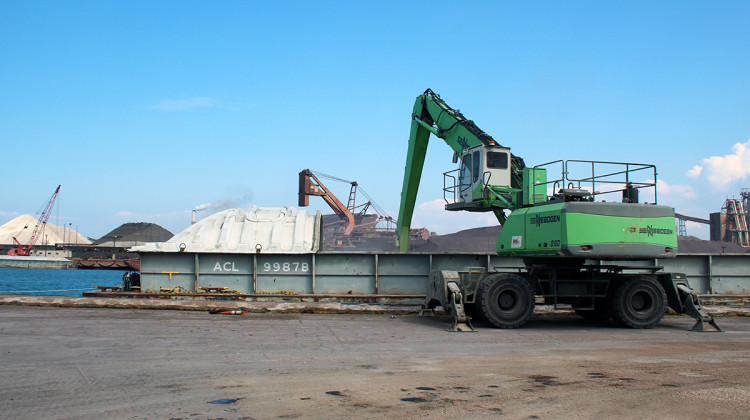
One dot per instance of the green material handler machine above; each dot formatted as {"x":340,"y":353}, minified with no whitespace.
{"x":595,"y":255}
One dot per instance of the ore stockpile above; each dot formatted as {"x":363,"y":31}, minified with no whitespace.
{"x":482,"y":240}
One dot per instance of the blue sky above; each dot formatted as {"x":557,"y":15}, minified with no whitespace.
{"x":143,"y":110}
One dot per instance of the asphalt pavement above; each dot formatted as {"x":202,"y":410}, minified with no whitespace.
{"x":61,"y":362}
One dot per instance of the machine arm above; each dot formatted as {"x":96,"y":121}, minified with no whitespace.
{"x":39,"y":229}
{"x":42,"y":218}
{"x":432,"y":115}
{"x":309,"y":184}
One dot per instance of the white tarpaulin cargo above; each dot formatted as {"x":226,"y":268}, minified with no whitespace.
{"x":272,"y":230}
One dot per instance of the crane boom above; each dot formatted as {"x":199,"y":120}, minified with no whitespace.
{"x":38,"y":229}
{"x":309,"y":184}
{"x":431,"y":115}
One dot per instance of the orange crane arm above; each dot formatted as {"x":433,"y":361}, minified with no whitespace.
{"x":309,"y":185}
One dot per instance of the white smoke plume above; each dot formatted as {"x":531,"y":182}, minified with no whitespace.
{"x":217,"y":205}
{"x":226,"y":204}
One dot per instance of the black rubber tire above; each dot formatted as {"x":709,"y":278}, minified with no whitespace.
{"x":639,"y":302}
{"x":505,"y":300}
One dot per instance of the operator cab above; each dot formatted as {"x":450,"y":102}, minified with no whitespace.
{"x":481,"y":166}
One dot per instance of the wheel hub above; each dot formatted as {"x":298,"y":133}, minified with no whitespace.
{"x":642,"y":302}
{"x":507,"y":300}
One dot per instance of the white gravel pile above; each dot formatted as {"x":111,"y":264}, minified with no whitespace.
{"x":23,"y":226}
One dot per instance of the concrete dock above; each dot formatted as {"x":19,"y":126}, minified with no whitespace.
{"x":61,"y":362}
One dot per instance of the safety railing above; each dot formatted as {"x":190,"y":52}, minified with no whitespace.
{"x":453,"y":188}
{"x":600,"y":179}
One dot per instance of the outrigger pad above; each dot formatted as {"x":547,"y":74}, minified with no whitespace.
{"x":700,"y":326}
{"x":461,"y":326}
{"x":691,"y":305}
{"x":702,"y":317}
{"x":461,"y":321}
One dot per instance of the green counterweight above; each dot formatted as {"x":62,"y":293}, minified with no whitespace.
{"x":590,"y":230}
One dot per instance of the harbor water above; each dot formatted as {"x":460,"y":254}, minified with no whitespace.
{"x":51,"y":282}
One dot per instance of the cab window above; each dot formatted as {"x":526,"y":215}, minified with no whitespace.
{"x":475,"y":168}
{"x":497,"y":160}
{"x":466,"y":171}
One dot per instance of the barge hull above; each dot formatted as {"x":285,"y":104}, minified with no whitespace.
{"x":23,"y":261}
{"x":373,"y":274}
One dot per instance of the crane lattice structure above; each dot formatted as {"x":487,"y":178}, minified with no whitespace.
{"x":737,"y":220}
{"x":355,"y":224}
{"x":41,"y":216}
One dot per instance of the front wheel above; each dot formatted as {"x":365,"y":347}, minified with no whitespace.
{"x":639,"y":302}
{"x":505,"y":300}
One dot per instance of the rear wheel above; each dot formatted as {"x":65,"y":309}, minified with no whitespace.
{"x":639,"y":302}
{"x":505,"y":300}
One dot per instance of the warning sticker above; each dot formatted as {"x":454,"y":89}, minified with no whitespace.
{"x":516,"y":242}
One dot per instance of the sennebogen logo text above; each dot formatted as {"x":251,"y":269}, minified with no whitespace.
{"x":651,"y":231}
{"x":539,"y":220}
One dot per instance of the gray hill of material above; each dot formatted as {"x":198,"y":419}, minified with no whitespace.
{"x":471,"y":240}
{"x":693,"y":245}
{"x":132,"y":234}
{"x":483,"y":240}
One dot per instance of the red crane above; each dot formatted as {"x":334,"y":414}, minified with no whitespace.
{"x":309,"y":185}
{"x":42,"y":218}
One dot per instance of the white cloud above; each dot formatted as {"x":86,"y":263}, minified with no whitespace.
{"x":188,"y":104}
{"x":695,"y":172}
{"x":433,"y":206}
{"x":724,"y":170}
{"x":684,"y":191}
{"x":433,"y":216}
